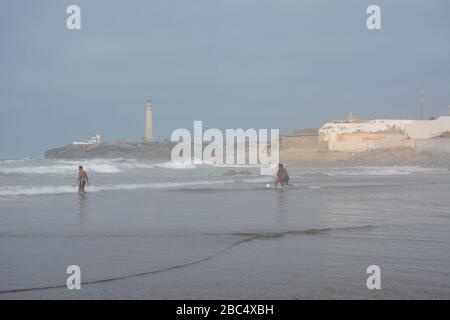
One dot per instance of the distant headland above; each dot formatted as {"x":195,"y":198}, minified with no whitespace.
{"x":114,"y":149}
{"x":352,"y":141}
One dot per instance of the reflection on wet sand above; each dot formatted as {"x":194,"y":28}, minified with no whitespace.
{"x":82,"y":211}
{"x":282,"y":202}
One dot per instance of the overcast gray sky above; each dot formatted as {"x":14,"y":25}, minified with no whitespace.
{"x":283,"y":64}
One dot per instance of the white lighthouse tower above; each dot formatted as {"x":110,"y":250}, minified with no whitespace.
{"x":149,"y":121}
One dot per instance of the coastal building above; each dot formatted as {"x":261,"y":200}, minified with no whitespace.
{"x":355,"y":135}
{"x":93,"y":140}
{"x":302,"y":138}
{"x":149,"y":121}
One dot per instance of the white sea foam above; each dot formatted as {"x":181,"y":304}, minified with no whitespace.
{"x":263,"y":179}
{"x":70,"y":167}
{"x":232,"y":165}
{"x":376,"y":171}
{"x":41,"y":190}
{"x":29,"y":166}
{"x":60,"y":169}
{"x":176,"y":165}
{"x":13,"y":161}
{"x":194,"y":165}
{"x":19,"y":190}
{"x":35,"y":190}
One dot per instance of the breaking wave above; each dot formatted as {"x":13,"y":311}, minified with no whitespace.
{"x":193,"y":165}
{"x":176,"y":165}
{"x":13,"y":161}
{"x":258,"y":179}
{"x":69,"y":167}
{"x":29,"y":166}
{"x":371,"y":171}
{"x":60,"y":169}
{"x":42,"y":190}
{"x":19,"y":190}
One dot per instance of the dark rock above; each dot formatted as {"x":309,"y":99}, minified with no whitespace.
{"x":135,"y":150}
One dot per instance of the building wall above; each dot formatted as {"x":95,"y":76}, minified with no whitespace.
{"x":361,"y":142}
{"x":392,"y":141}
{"x":372,"y":126}
{"x":348,"y":143}
{"x":428,"y":129}
{"x":299,"y":141}
{"x":380,"y":134}
{"x":439,"y":145}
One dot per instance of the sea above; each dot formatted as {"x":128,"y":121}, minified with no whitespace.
{"x":147,"y":230}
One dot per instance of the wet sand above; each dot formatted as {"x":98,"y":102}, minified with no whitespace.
{"x":234,"y":240}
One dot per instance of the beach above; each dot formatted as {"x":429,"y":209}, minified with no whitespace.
{"x":148,"y":230}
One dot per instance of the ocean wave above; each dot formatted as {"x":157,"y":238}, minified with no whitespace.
{"x":70,"y":167}
{"x":19,"y":190}
{"x":118,"y":162}
{"x":372,"y":171}
{"x":235,"y":166}
{"x":176,"y":165}
{"x":14,"y":161}
{"x":199,"y":164}
{"x":61,"y":169}
{"x":42,"y":190}
{"x":258,"y":179}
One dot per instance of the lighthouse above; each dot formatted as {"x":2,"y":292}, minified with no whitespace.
{"x":149,"y":121}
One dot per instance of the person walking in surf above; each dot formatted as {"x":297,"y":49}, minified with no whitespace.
{"x":285,"y":175}
{"x":82,"y":180}
{"x":282,"y":176}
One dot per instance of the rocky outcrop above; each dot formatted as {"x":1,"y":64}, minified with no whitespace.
{"x":136,"y":150}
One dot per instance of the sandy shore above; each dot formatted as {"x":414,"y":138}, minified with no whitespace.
{"x":392,"y":157}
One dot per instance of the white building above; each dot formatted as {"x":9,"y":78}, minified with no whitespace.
{"x":93,"y":140}
{"x":353,"y":135}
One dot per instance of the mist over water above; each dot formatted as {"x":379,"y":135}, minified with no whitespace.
{"x":167,"y":230}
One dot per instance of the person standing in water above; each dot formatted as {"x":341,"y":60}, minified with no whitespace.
{"x":285,"y":175}
{"x":82,"y":180}
{"x":280,"y":176}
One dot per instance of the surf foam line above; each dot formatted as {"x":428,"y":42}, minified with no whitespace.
{"x":248,"y":237}
{"x":42,"y":190}
{"x":69,"y":167}
{"x":21,"y":190}
{"x":60,"y":169}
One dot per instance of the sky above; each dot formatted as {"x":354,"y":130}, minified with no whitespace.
{"x":284,"y":64}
